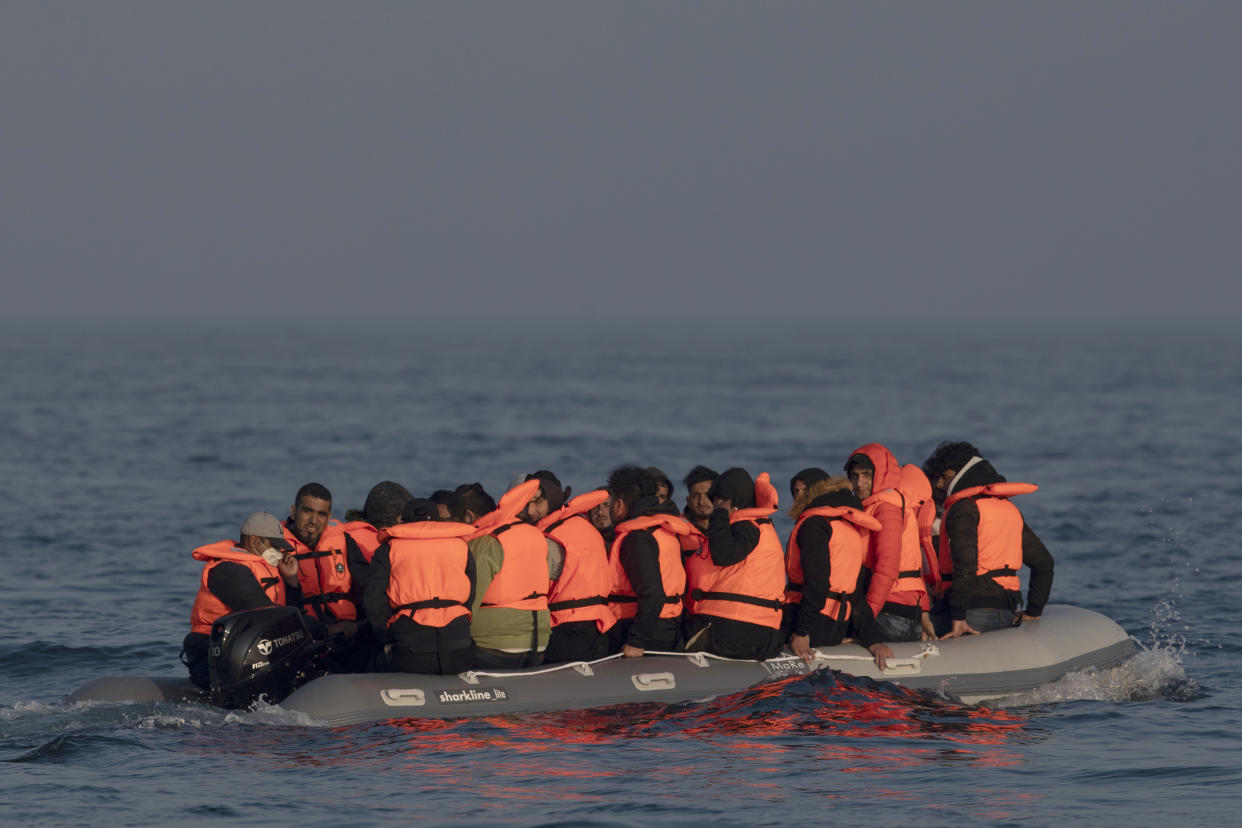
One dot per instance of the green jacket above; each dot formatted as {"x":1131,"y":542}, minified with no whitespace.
{"x":502,"y":628}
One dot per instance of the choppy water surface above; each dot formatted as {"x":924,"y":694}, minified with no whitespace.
{"x":125,"y":449}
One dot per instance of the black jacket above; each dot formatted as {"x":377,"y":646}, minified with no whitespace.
{"x":640,"y":558}
{"x":405,"y":632}
{"x":814,"y":535}
{"x":962,"y":526}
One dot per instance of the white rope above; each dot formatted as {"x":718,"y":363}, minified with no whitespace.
{"x":928,"y":650}
{"x":472,"y":676}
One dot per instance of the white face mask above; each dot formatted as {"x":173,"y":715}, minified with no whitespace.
{"x":272,"y":556}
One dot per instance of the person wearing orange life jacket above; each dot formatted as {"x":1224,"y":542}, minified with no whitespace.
{"x":648,"y":579}
{"x":985,"y":538}
{"x":736,"y":583}
{"x":578,"y":599}
{"x":363,"y":536}
{"x":823,"y":560}
{"x":258,"y":571}
{"x":323,"y":569}
{"x":514,"y":563}
{"x":419,"y":594}
{"x":893,"y":566}
{"x":917,"y":490}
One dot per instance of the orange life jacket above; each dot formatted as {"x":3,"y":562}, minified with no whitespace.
{"x":845,"y":556}
{"x":323,"y":575}
{"x":917,"y":491}
{"x":1000,"y":532}
{"x":207,"y":607}
{"x":522,"y":582}
{"x":910,"y":566}
{"x":365,"y":535}
{"x":751,"y":590}
{"x":428,"y":582}
{"x":581,"y":592}
{"x":668,"y":531}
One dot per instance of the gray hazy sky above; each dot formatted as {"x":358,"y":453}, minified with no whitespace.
{"x":1069,"y":160}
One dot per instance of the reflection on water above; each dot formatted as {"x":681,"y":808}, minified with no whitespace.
{"x":855,"y":723}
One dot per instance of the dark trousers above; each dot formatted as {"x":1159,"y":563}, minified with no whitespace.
{"x":731,"y":638}
{"x":575,"y":641}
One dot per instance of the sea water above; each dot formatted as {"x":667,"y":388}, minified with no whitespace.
{"x":124,"y":447}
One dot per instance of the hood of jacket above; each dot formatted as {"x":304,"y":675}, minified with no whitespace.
{"x":809,"y":476}
{"x":651,"y":505}
{"x":887,"y":469}
{"x":735,"y":485}
{"x":977,"y":472}
{"x":835,"y":491}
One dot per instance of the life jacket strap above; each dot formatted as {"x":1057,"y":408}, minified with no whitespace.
{"x":430,"y":603}
{"x":594,"y":601}
{"x":738,"y":597}
{"x":527,"y":598}
{"x":267,"y":583}
{"x":633,"y":599}
{"x":910,"y":573}
{"x":323,"y":553}
{"x":999,"y":573}
{"x":836,"y":596}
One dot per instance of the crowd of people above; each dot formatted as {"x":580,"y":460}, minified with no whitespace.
{"x":455,"y":580}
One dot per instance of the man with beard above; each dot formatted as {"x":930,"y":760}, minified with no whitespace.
{"x":698,"y":505}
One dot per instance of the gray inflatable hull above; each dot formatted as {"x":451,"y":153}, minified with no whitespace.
{"x":972,"y":669}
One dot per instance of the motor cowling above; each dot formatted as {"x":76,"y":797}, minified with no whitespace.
{"x":260,"y":653}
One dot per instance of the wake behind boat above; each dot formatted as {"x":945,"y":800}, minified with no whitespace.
{"x":971,"y":669}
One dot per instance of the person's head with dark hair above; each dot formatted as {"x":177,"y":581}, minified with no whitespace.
{"x":549,"y":497}
{"x":806,"y":478}
{"x":475,"y":501}
{"x":734,"y":489}
{"x":944,"y":464}
{"x":384,"y":504}
{"x":418,"y":510}
{"x":698,"y":505}
{"x":310,"y":513}
{"x":664,"y":486}
{"x":448,"y":505}
{"x":314,"y":490}
{"x":626,"y":484}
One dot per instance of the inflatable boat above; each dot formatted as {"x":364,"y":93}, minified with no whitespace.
{"x":971,"y":669}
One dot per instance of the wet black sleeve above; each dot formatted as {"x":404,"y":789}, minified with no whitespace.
{"x":640,"y":558}
{"x":1039,"y":560}
{"x":375,"y":599}
{"x":962,"y":524}
{"x":730,"y":543}
{"x":813,"y":537}
{"x":359,"y":569}
{"x":235,"y":586}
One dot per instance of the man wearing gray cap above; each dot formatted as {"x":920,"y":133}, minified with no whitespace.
{"x":259,"y":571}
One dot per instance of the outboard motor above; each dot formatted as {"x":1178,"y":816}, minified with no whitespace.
{"x":265,"y":652}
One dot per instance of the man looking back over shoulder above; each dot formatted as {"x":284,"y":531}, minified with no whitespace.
{"x":257,"y":571}
{"x":984,"y":541}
